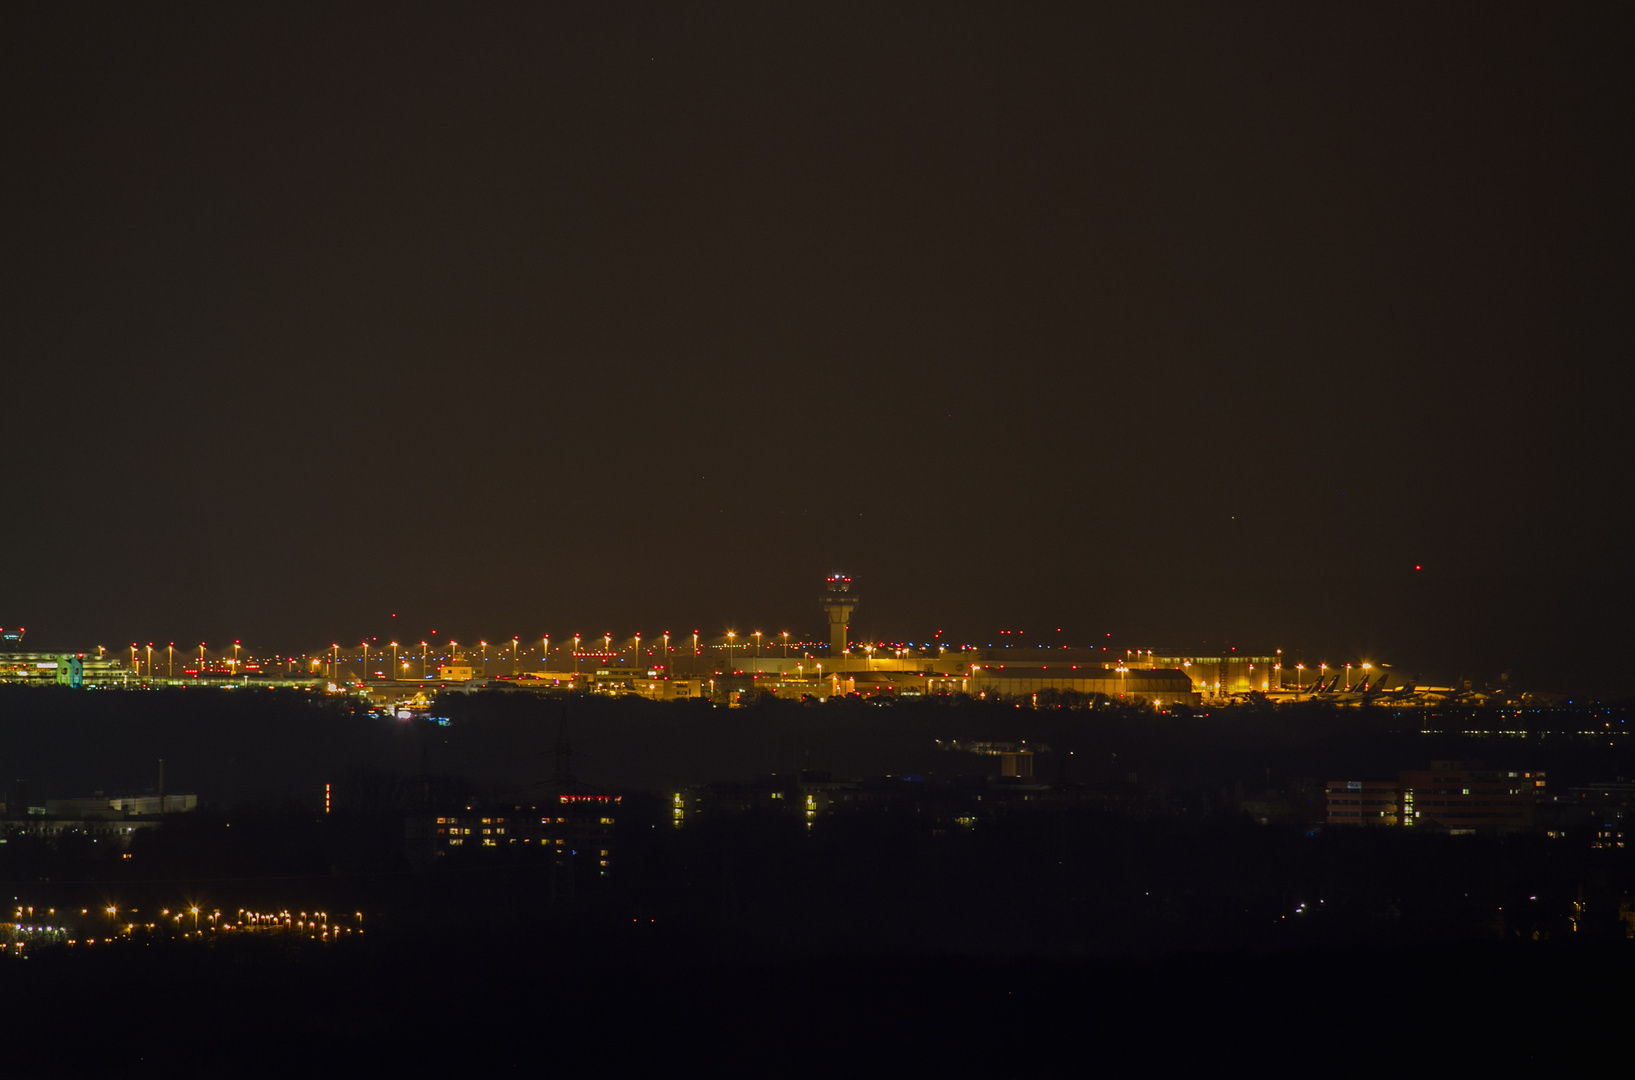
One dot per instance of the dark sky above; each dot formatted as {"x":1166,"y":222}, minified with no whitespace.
{"x":1183,"y":324}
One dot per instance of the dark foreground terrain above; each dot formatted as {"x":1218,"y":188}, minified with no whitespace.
{"x":1164,"y":899}
{"x":482,"y":1005}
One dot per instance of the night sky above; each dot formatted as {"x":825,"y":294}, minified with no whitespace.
{"x":1180,"y":324}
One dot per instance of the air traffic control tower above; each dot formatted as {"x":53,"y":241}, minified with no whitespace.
{"x":838,"y":601}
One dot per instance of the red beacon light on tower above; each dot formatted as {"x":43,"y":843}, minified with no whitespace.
{"x":838,"y":602}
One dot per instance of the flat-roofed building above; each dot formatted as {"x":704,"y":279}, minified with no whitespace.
{"x":1601,"y":811}
{"x":1450,"y":795}
{"x":1218,"y":676}
{"x":63,"y":669}
{"x":572,"y":827}
{"x":1364,"y":802}
{"x":119,"y":818}
{"x":1459,"y":798}
{"x":1158,"y":685}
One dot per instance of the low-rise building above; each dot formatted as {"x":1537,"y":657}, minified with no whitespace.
{"x":1455,"y":796}
{"x":61,"y":669}
{"x":1157,"y":685}
{"x":1219,"y":676}
{"x":573,"y":827}
{"x":810,"y":795}
{"x":1364,"y":802}
{"x":119,"y":818}
{"x":1452,"y":795}
{"x":1602,"y":812}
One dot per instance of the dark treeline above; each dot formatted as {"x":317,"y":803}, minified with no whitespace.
{"x":236,"y":747}
{"x":226,"y":746}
